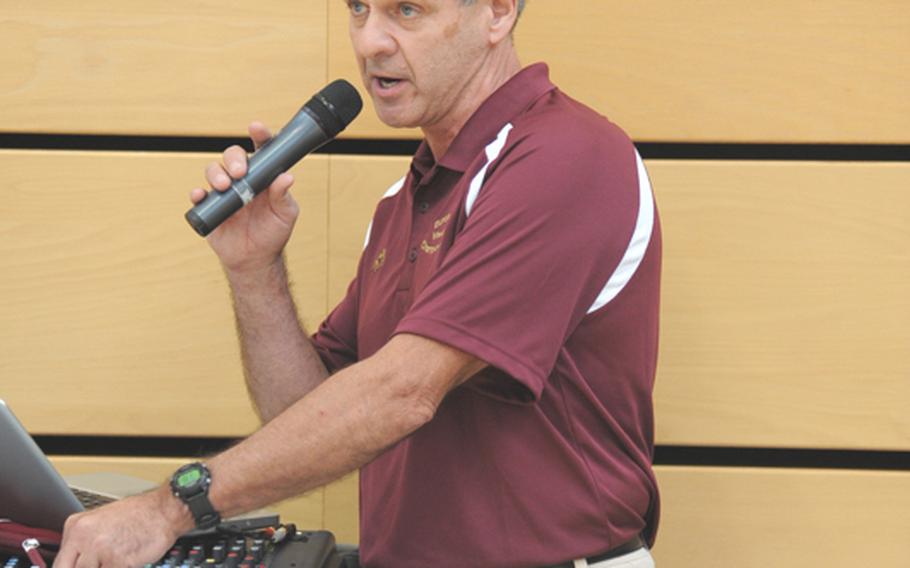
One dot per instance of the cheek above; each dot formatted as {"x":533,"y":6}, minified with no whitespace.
{"x":450,"y":31}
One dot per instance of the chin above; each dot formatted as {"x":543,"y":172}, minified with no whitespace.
{"x":396,"y":120}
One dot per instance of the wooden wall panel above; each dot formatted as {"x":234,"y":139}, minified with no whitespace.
{"x":114,"y":309}
{"x":204,"y":67}
{"x":784,"y":304}
{"x":712,"y":71}
{"x":786,"y":518}
{"x":342,"y":502}
{"x":784,"y":297}
{"x":715,"y":71}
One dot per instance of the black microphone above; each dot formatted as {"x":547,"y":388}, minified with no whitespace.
{"x":318,"y":121}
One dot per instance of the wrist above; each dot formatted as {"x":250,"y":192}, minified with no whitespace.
{"x":174,"y":511}
{"x":253,"y":275}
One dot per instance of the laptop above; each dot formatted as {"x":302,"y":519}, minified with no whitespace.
{"x":33,"y":493}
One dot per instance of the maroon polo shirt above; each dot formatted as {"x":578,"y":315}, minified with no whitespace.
{"x":533,"y":244}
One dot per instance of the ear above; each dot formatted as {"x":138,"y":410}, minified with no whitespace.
{"x":505,"y":12}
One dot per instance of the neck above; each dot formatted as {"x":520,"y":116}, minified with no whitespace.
{"x":501,"y":66}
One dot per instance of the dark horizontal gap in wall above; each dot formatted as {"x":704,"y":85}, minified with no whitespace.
{"x":648,"y":150}
{"x":142,"y":446}
{"x":782,"y":457}
{"x":188,"y":144}
{"x":784,"y":152}
{"x":132,"y":446}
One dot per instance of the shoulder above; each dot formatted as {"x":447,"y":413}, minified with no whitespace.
{"x":560,"y":124}
{"x":561,"y":137}
{"x":560,"y":145}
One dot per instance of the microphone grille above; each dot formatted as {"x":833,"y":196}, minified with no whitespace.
{"x":336,"y":106}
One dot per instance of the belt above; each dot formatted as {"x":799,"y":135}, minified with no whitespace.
{"x":625,"y":548}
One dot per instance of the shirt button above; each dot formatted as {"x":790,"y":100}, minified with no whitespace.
{"x":423,"y":207}
{"x":412,"y":256}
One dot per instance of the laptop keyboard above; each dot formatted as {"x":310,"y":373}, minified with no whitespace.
{"x":91,"y":500}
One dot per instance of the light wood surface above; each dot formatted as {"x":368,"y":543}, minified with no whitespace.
{"x":715,"y":71}
{"x":774,"y":71}
{"x":784,"y":304}
{"x":114,"y":309}
{"x":305,"y":511}
{"x":342,"y":502}
{"x":204,"y":67}
{"x":785,"y":518}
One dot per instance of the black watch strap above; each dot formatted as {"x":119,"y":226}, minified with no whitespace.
{"x":205,"y":515}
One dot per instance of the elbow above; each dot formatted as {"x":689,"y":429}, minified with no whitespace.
{"x":414,"y":405}
{"x":422,"y":410}
{"x":418,"y":374}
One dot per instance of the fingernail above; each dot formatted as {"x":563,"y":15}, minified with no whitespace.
{"x":224,"y":180}
{"x":235,"y":168}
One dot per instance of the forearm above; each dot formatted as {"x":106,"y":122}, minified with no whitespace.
{"x":279,"y":362}
{"x":342,"y":425}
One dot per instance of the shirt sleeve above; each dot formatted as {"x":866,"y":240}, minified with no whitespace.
{"x":336,"y":339}
{"x":550,"y":225}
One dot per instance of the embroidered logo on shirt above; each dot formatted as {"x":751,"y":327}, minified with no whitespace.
{"x":439,"y":230}
{"x":442,"y":220}
{"x":380,"y":260}
{"x":428,"y":248}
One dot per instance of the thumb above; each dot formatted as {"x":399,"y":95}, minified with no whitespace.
{"x":281,"y":201}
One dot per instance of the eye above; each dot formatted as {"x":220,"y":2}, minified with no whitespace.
{"x":357,"y":8}
{"x":407,"y":10}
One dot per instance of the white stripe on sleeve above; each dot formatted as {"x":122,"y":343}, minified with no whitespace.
{"x":492,"y":151}
{"x":641,"y":236}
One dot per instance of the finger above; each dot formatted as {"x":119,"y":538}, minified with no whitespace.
{"x":235,"y":161}
{"x":197,"y":194}
{"x":259,"y":133}
{"x":217,"y":177}
{"x":87,"y":560}
{"x":66,"y":558}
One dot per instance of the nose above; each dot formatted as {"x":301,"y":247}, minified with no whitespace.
{"x":371,"y":37}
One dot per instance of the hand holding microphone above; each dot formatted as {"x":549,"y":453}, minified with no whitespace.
{"x":320,"y":120}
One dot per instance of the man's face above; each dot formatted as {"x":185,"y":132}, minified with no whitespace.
{"x":418,"y":59}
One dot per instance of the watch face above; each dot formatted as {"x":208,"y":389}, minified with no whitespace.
{"x":189,"y":478}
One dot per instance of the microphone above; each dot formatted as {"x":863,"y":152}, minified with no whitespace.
{"x":318,"y":121}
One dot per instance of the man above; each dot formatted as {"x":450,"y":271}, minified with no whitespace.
{"x":491,"y":367}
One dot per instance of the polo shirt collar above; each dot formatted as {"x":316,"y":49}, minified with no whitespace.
{"x":507,"y":102}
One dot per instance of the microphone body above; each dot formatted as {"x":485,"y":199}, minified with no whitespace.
{"x":317,"y":122}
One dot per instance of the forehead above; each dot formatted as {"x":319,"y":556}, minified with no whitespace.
{"x":429,"y":3}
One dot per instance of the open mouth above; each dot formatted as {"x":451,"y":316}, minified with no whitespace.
{"x":387,"y":82}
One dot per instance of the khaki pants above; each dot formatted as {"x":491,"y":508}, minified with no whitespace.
{"x":641,"y":558}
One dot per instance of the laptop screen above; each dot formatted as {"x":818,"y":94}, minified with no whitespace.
{"x":31,"y":491}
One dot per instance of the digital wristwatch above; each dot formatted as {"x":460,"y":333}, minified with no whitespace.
{"x":191,"y":484}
